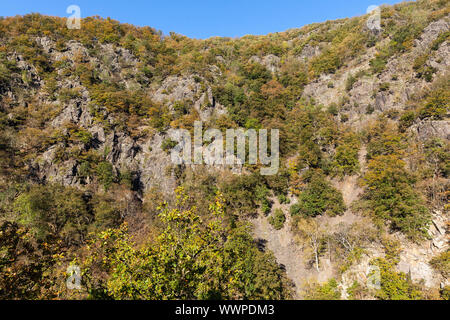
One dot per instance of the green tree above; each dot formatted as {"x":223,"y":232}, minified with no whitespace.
{"x":53,"y":211}
{"x":190,"y":259}
{"x":346,"y":160}
{"x":105,"y":174}
{"x":391,"y":196}
{"x":319,"y":198}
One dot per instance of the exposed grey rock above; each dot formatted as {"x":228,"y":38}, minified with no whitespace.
{"x":177,"y":88}
{"x":431,"y":32}
{"x":309,"y":51}
{"x":428,"y":129}
{"x":399,"y":67}
{"x":271,"y":62}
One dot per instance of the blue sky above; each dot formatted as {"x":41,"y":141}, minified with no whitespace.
{"x":203,"y":18}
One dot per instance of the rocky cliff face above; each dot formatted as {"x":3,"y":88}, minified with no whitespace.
{"x":126,"y":151}
{"x":143,"y":156}
{"x":365,"y":92}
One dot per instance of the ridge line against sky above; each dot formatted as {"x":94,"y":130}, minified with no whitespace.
{"x":204,"y":18}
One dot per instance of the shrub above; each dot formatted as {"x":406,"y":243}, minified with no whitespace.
{"x":406,"y":120}
{"x":78,"y":134}
{"x":384,"y":140}
{"x":278,"y":219}
{"x":191,"y":259}
{"x":319,"y":198}
{"x":333,"y":109}
{"x":401,"y":41}
{"x":441,"y":39}
{"x":441,"y":263}
{"x":422,"y":69}
{"x":357,"y":292}
{"x":107,"y":212}
{"x":239,"y":193}
{"x":445,"y":293}
{"x":327,"y":62}
{"x":326,"y":291}
{"x":255,"y":71}
{"x":346,"y":160}
{"x":5,"y":77}
{"x":437,"y":105}
{"x":344,"y":117}
{"x":65,"y":95}
{"x":283,"y":199}
{"x":53,"y":211}
{"x":262,"y":194}
{"x":351,"y":80}
{"x":395,"y":285}
{"x":168,"y":144}
{"x":105,"y":174}
{"x":378,"y":64}
{"x":295,"y":209}
{"x":391,"y":196}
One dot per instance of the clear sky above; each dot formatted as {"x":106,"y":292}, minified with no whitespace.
{"x":203,"y":18}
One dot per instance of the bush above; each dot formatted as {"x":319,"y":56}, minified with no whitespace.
{"x":406,"y":120}
{"x":262,"y":194}
{"x":441,"y":39}
{"x":117,"y":100}
{"x":402,"y":40}
{"x":327,"y":62}
{"x":370,"y":109}
{"x":333,"y":109}
{"x":351,"y":80}
{"x":255,"y":71}
{"x":295,"y":209}
{"x":78,"y":134}
{"x":441,"y":263}
{"x":53,"y":211}
{"x":239,"y":193}
{"x":278,"y":219}
{"x":326,"y":291}
{"x":346,"y":160}
{"x":395,"y":285}
{"x":384,"y":140}
{"x":191,"y":259}
{"x":357,"y":292}
{"x":391,"y":196}
{"x":65,"y":95}
{"x":445,"y":293}
{"x":437,"y":105}
{"x":283,"y":199}
{"x":168,"y":144}
{"x":422,"y":69}
{"x":319,"y":198}
{"x":107,"y":212}
{"x":105,"y":174}
{"x":5,"y":77}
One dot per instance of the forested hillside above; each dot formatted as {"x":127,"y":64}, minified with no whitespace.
{"x":86,"y":177}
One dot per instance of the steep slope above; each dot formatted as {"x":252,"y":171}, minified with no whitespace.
{"x":363,"y":114}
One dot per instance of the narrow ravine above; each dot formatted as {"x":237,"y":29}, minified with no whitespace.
{"x":282,"y":242}
{"x":286,"y":251}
